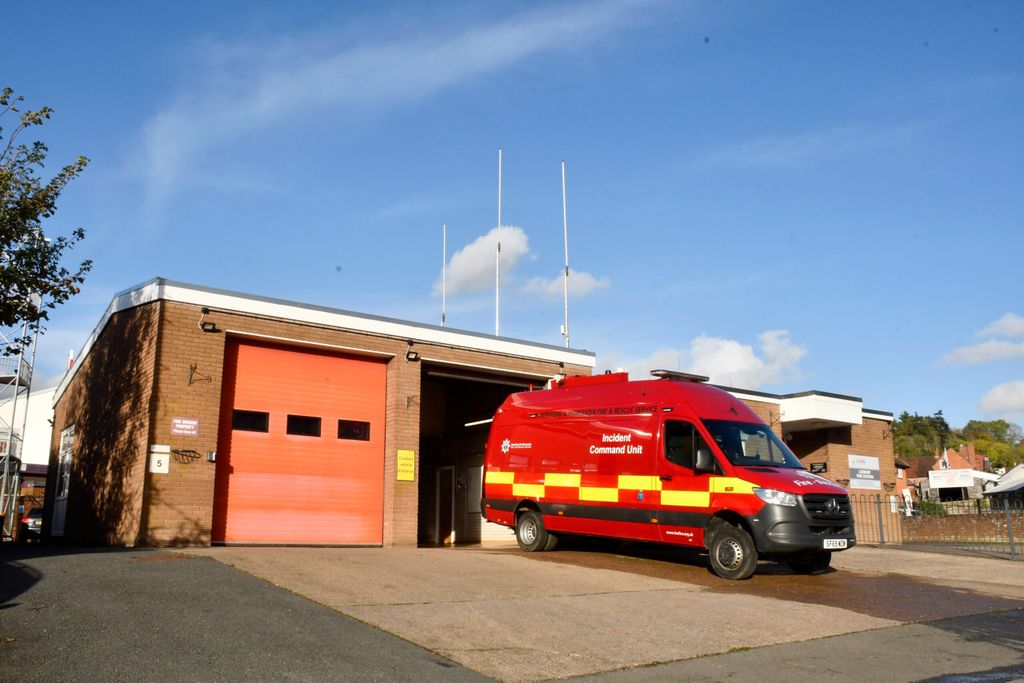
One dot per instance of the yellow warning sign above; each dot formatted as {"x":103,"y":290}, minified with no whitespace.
{"x":406,"y":465}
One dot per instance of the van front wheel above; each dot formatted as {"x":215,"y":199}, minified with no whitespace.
{"x":531,"y":534}
{"x":732,"y":553}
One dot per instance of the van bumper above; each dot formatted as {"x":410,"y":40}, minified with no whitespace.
{"x":781,"y":530}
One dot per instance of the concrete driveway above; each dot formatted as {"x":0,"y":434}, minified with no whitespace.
{"x":521,"y":617}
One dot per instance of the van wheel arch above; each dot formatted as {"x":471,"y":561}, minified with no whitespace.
{"x":525,"y":505}
{"x":722,"y":519}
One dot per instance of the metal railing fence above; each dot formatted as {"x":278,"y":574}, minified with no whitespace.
{"x":993,"y":527}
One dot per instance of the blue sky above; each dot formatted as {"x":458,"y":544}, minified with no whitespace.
{"x":783,"y":195}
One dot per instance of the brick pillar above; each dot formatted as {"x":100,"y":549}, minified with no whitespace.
{"x":401,"y":498}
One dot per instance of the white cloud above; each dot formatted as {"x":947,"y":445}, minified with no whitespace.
{"x":984,"y":352}
{"x":1010,"y":325}
{"x":735,"y":364}
{"x":779,"y":351}
{"x":662,"y":359}
{"x":730,"y":362}
{"x":239,"y":91}
{"x":803,"y":148}
{"x":471,"y":269}
{"x":1005,"y":399}
{"x":580,"y":284}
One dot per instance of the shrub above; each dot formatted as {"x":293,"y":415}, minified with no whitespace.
{"x":931,"y":507}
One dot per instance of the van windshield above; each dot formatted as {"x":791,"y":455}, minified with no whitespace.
{"x":747,"y":445}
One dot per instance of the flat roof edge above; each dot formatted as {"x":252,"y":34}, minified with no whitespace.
{"x":163,"y":289}
{"x":779,"y":398}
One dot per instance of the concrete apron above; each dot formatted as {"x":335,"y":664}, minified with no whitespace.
{"x":516,"y":619}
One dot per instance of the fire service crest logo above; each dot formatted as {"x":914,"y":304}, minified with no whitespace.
{"x":508,"y":445}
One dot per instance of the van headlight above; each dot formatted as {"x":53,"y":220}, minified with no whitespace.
{"x":773,"y":497}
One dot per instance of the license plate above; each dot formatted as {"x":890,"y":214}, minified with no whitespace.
{"x":835,"y":543}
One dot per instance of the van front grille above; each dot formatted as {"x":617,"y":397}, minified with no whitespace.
{"x":827,"y":507}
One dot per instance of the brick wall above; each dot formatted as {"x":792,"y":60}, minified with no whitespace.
{"x":108,"y":402}
{"x":873,"y":438}
{"x":833,"y":446}
{"x":812,"y":448}
{"x":401,"y":498}
{"x":178,"y":506}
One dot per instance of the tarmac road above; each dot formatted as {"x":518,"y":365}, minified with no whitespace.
{"x":598,"y":613}
{"x":136,"y":615}
{"x":984,"y":648}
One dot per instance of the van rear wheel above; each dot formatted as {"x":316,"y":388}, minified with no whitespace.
{"x":531,"y":534}
{"x":732,"y":553}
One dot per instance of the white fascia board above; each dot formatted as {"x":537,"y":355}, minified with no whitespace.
{"x":761,"y":398}
{"x":884,"y":417}
{"x":387,"y":327}
{"x":214,"y":299}
{"x":818,"y":407}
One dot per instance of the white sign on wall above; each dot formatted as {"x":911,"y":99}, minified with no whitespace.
{"x":159,"y":459}
{"x":864,"y":472}
{"x":950,"y":479}
{"x":184,"y":426}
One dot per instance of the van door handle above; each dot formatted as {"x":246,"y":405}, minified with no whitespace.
{"x":665,"y":477}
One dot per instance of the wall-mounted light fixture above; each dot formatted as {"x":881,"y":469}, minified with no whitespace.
{"x":411,"y":355}
{"x":206,"y":326}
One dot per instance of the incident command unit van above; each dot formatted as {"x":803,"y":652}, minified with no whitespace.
{"x":670,"y":460}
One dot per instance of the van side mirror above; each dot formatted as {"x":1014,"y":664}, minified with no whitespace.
{"x":705,"y":461}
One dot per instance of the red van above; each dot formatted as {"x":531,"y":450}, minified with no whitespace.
{"x":670,"y":460}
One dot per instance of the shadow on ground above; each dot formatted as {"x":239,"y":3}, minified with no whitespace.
{"x":17,"y":576}
{"x":900,"y":598}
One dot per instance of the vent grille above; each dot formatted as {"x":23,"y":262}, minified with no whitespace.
{"x":827,"y":507}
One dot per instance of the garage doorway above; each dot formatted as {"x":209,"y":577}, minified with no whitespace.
{"x":445,"y":505}
{"x":455,"y":410}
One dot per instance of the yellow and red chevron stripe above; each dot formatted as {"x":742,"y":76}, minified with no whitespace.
{"x":575,"y":486}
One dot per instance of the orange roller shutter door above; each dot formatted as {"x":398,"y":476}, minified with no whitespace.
{"x":276,"y":487}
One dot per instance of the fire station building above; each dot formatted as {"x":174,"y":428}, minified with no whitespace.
{"x":198,"y":416}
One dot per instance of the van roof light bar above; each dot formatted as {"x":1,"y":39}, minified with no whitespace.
{"x":679,"y":376}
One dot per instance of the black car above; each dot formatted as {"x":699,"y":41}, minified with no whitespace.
{"x":31,"y":525}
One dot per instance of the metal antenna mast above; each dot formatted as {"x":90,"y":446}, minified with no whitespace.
{"x":565,"y":280}
{"x":497,"y":260}
{"x":444,"y":267}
